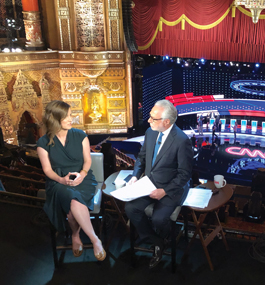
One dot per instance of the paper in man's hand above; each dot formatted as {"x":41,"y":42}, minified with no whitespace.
{"x":142,"y":187}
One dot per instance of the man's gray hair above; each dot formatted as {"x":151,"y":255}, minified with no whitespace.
{"x":170,"y":112}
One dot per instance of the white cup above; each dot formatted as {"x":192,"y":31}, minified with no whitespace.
{"x":119,"y":183}
{"x":219,"y":181}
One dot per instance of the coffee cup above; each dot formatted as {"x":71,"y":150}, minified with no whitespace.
{"x":219,"y":181}
{"x":120,"y":184}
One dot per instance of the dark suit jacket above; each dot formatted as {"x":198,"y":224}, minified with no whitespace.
{"x":173,"y":165}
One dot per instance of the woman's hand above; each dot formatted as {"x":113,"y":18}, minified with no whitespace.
{"x":77,"y":180}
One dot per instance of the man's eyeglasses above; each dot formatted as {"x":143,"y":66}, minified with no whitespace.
{"x":153,"y":119}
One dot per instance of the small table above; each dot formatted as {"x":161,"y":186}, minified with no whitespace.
{"x":215,"y":203}
{"x":108,"y":187}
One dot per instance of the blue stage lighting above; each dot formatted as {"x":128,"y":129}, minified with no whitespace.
{"x":257,"y":64}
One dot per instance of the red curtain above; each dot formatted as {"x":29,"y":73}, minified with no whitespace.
{"x":233,"y":39}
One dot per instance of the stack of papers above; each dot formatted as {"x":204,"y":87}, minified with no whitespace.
{"x":198,"y":197}
{"x":140,"y":188}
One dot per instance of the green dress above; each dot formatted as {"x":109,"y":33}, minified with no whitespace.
{"x":65,"y":159}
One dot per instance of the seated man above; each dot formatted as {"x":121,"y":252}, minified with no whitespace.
{"x":166,"y":158}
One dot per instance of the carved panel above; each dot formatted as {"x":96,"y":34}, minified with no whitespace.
{"x":116,"y":103}
{"x":114,"y":72}
{"x":64,"y":24}
{"x":114,"y":21}
{"x":117,"y":86}
{"x":117,"y":118}
{"x":24,"y":94}
{"x":70,"y":73}
{"x":89,"y":23}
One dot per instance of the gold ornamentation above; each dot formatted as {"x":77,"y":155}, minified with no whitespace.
{"x":117,"y":118}
{"x":24,"y":95}
{"x":70,"y":73}
{"x":32,"y":25}
{"x":95,"y":115}
{"x":114,"y":86}
{"x":70,"y":87}
{"x":44,"y":87}
{"x":97,"y":84}
{"x":90,"y":24}
{"x":64,"y":24}
{"x":91,"y":70}
{"x":117,"y":95}
{"x":114,"y":30}
{"x":116,"y":104}
{"x":255,"y":6}
{"x":75,"y":104}
{"x":114,"y":72}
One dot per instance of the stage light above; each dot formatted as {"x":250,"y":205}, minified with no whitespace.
{"x":257,"y":65}
{"x":202,"y":60}
{"x":6,"y":50}
{"x":167,"y":57}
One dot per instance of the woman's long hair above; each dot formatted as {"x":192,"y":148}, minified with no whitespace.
{"x":55,"y":112}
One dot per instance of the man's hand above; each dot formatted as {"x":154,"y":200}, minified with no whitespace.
{"x":158,"y":194}
{"x":132,"y":180}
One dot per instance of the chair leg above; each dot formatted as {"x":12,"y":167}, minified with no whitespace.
{"x":132,"y":239}
{"x":173,"y":246}
{"x":53,"y":240}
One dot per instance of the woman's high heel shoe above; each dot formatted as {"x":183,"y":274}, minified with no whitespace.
{"x":78,"y":252}
{"x":101,"y":255}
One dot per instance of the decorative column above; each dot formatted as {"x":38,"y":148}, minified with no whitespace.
{"x":32,"y":25}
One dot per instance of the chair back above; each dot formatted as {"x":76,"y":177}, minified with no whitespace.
{"x":97,"y":166}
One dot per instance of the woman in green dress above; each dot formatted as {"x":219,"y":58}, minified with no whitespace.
{"x":70,"y":185}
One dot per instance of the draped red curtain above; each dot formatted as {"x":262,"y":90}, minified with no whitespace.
{"x":233,"y":39}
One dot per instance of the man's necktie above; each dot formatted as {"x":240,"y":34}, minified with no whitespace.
{"x":157,"y":146}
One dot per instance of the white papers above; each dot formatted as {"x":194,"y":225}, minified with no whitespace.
{"x":122,"y":175}
{"x":198,"y":197}
{"x":140,"y":188}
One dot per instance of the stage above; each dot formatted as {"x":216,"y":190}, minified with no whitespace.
{"x":237,"y":161}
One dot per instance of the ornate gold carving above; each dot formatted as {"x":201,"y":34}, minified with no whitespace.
{"x":114,"y":21}
{"x":63,"y":2}
{"x":28,"y":56}
{"x":70,"y":73}
{"x":71,"y":96}
{"x":44,"y":87}
{"x":117,"y":118}
{"x":70,"y":86}
{"x":75,"y":104}
{"x":24,"y":94}
{"x":117,"y":95}
{"x":64,"y":24}
{"x":113,"y":4}
{"x":114,"y":31}
{"x":114,"y":72}
{"x":97,"y":84}
{"x":32,"y":25}
{"x":116,"y":104}
{"x":95,"y":115}
{"x":90,"y":24}
{"x":65,"y":33}
{"x":114,"y":86}
{"x":5,"y":120}
{"x":92,"y":56}
{"x":91,"y":70}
